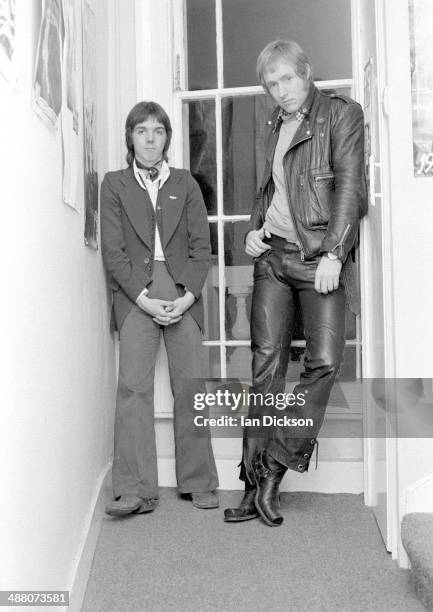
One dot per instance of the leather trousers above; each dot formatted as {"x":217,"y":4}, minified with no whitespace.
{"x":282,"y":282}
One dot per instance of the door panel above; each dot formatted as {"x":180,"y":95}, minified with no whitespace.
{"x":373,"y":328}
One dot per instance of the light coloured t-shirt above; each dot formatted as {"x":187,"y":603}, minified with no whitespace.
{"x":278,"y":219}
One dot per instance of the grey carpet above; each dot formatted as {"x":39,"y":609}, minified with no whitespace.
{"x":417,"y":537}
{"x":328,"y":555}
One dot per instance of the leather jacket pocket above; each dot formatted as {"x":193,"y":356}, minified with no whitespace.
{"x":322,"y":189}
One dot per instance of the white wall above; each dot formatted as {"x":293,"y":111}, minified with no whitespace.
{"x":58,"y":394}
{"x":412,"y":220}
{"x":412,"y":254}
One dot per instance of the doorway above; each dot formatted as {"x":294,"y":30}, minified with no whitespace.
{"x":221,"y":115}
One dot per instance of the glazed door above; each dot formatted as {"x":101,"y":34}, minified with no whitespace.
{"x":220,"y":114}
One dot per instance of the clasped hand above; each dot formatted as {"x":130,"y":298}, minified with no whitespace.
{"x":165,"y":312}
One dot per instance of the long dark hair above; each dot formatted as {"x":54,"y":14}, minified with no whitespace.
{"x":139,"y":113}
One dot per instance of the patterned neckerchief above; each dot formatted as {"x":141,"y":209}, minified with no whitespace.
{"x":283,"y":115}
{"x":150,"y":172}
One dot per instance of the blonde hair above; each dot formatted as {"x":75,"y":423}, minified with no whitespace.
{"x":288,"y":51}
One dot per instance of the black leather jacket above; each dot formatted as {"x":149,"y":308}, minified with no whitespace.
{"x":324,"y":168}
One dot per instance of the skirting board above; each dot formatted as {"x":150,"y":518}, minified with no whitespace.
{"x":330,"y":477}
{"x":102,"y":493}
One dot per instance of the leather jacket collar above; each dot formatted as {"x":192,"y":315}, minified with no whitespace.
{"x":305,"y":108}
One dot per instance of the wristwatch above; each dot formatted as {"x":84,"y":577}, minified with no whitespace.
{"x":331,"y":256}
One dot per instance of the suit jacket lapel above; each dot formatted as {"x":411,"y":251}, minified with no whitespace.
{"x":172,"y":199}
{"x":137,"y":206}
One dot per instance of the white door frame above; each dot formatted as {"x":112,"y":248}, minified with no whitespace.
{"x":391,"y":536}
{"x":158,"y":44}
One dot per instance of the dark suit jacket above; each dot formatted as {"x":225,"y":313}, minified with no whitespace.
{"x":128,"y":236}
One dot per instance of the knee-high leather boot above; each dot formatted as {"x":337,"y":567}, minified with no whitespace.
{"x":246,"y":509}
{"x":269,"y":473}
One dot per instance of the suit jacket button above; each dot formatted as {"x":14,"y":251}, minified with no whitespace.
{"x":146,"y":260}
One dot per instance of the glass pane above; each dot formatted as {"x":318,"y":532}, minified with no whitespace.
{"x":239,"y":363}
{"x":350,"y":325}
{"x":210,"y":291}
{"x":350,"y":316}
{"x":239,"y":281}
{"x":296,"y":364}
{"x":344,"y":91}
{"x":421,"y":72}
{"x":201,"y":36}
{"x":243,"y":122}
{"x":348,"y":368}
{"x":200,"y":148}
{"x":321,"y":28}
{"x":212,"y":362}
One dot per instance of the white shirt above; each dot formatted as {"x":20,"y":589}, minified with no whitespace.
{"x":152,"y":188}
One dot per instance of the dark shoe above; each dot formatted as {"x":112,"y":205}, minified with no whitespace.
{"x":269,"y":473}
{"x":148,"y":505}
{"x":208,"y":499}
{"x":246,"y":509}
{"x":129,"y":504}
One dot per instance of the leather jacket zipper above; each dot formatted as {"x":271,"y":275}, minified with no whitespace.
{"x":293,"y":144}
{"x":303,"y":249}
{"x":340,"y":244}
{"x":291,"y":213}
{"x":323,"y":177}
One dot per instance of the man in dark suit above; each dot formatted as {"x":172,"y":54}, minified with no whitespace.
{"x":156,"y":250}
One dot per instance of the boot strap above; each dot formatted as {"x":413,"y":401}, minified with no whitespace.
{"x":259,"y":467}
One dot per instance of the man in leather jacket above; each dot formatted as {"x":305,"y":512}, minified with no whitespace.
{"x":303,"y":226}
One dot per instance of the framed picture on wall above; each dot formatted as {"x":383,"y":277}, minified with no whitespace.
{"x":47,"y":84}
{"x":7,"y":40}
{"x":71,"y":103}
{"x":421,"y":65}
{"x":89,"y":127}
